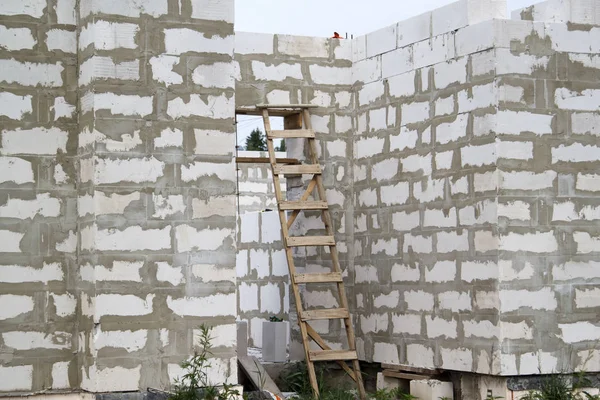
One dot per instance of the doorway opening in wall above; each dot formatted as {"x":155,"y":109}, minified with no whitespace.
{"x":254,"y":181}
{"x":261,"y":266}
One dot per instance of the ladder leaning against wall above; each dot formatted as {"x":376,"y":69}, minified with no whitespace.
{"x":333,"y":277}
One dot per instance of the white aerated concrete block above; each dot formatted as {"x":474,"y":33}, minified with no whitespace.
{"x":381,"y":41}
{"x":58,"y":39}
{"x":206,"y":306}
{"x":31,"y":74}
{"x":414,"y":29}
{"x":433,"y":51}
{"x":128,"y":8}
{"x":36,"y":340}
{"x":303,"y":46}
{"x":419,"y":356}
{"x":96,"y":68}
{"x":213,"y":10}
{"x":367,"y":70}
{"x":455,"y":301}
{"x":217,"y":107}
{"x":18,"y":377}
{"x":33,"y":8}
{"x":106,"y":35}
{"x":579,"y":332}
{"x":13,"y":39}
{"x":14,"y":106}
{"x":253,"y":43}
{"x":183,"y":40}
{"x":12,"y":306}
{"x":396,"y":62}
{"x":431,"y":389}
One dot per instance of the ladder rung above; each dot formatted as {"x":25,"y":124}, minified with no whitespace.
{"x":303,"y":205}
{"x":330,"y":313}
{"x":296,"y":241}
{"x":329,"y":277}
{"x":332,"y":355}
{"x":297,"y":169}
{"x":291,"y":134}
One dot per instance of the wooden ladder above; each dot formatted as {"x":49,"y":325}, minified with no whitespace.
{"x":333,"y":277}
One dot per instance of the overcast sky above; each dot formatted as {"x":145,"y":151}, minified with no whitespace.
{"x":323,"y":17}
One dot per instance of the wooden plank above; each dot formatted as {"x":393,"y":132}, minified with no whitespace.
{"x":297,"y":169}
{"x":329,"y":277}
{"x":257,"y":374}
{"x":405,"y":375}
{"x":298,"y":241}
{"x":329,"y":313}
{"x":306,"y":195}
{"x":333,"y":355}
{"x":317,"y":338}
{"x":273,"y":113}
{"x":292,"y":134}
{"x":290,"y":106}
{"x":265,"y":160}
{"x":407,"y":368}
{"x":303,"y":205}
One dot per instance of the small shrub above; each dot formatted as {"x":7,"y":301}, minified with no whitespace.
{"x":194,"y":384}
{"x":561,"y":387}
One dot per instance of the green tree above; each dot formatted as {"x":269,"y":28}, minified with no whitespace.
{"x":281,"y":147}
{"x":256,"y":141}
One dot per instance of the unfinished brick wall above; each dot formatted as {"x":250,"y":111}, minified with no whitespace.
{"x":475,"y":202}
{"x":262,"y":272}
{"x":548,"y":207}
{"x":255,"y":184}
{"x":129,"y":245}
{"x":38,"y":210}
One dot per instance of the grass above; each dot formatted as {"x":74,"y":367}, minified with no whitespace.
{"x":297,"y":381}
